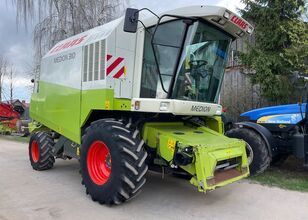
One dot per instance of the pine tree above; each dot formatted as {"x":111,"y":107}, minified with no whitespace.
{"x":281,"y":46}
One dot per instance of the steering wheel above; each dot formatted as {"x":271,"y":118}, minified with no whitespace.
{"x":198,"y":63}
{"x":196,"y":68}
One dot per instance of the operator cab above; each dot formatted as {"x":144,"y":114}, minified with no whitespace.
{"x":184,"y":57}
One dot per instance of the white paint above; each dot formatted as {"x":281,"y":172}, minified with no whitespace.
{"x":174,"y":106}
{"x":66,"y":73}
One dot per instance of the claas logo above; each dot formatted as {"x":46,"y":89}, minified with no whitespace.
{"x":68,"y":44}
{"x":239,"y":22}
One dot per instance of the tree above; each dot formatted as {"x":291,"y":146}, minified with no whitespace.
{"x":11,"y":76}
{"x":3,"y":71}
{"x":59,"y":19}
{"x":281,"y":46}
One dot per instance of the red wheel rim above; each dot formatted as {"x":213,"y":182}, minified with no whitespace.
{"x":99,"y":162}
{"x":34,"y":151}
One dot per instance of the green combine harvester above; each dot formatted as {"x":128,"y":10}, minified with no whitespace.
{"x":139,"y":93}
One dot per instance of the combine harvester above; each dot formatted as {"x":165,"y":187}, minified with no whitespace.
{"x":130,"y":95}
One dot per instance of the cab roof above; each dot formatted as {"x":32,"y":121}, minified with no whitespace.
{"x":219,"y":16}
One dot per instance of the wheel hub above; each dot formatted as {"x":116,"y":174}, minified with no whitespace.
{"x":34,"y":151}
{"x":99,"y":162}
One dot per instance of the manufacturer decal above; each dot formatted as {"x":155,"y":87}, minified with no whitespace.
{"x":239,"y":22}
{"x":68,"y":44}
{"x":65,"y":57}
{"x":200,"y":108}
{"x":281,"y":119}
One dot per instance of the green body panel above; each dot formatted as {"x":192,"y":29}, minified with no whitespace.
{"x":65,"y":110}
{"x":101,"y":99}
{"x":122,"y":104}
{"x":98,"y":99}
{"x":215,"y":123}
{"x":58,"y":108}
{"x":209,"y":147}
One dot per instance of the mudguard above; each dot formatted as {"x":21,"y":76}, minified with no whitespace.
{"x":263,"y":132}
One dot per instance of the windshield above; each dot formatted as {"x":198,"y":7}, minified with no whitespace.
{"x":201,"y":65}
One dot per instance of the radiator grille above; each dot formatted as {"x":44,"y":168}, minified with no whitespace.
{"x":94,"y":61}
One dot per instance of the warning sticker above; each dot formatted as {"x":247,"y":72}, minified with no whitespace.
{"x":171,"y":144}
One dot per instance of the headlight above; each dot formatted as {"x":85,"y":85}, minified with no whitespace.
{"x":218,"y":112}
{"x":227,"y":15}
{"x":250,"y":30}
{"x":164,"y":106}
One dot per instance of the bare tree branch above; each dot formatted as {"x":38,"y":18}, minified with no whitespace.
{"x":59,"y":19}
{"x":3,"y":72}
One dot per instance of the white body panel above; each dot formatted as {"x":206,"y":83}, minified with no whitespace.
{"x":174,"y":106}
{"x":53,"y":69}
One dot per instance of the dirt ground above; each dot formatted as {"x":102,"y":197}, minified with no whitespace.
{"x":58,"y":194}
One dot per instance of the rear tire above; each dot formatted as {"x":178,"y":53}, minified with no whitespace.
{"x":120,"y":175}
{"x":40,"y":151}
{"x":261,"y":159}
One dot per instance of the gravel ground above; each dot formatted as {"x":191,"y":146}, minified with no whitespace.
{"x":58,"y":194}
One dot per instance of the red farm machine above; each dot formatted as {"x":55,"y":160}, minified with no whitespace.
{"x":12,"y":118}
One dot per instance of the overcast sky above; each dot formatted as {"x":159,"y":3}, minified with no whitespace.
{"x":16,"y":44}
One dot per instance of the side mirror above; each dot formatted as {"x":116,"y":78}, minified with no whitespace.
{"x":131,"y":20}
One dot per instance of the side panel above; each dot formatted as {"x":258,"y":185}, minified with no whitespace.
{"x":98,"y":99}
{"x":58,"y":108}
{"x":56,"y":103}
{"x":63,"y":68}
{"x":125,"y":44}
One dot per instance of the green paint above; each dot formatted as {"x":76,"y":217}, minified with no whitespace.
{"x":101,"y":99}
{"x":215,"y":123}
{"x":209,"y":147}
{"x":122,"y":104}
{"x":65,"y":110}
{"x":58,"y":108}
{"x":97,"y":99}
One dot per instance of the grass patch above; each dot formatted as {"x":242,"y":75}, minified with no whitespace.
{"x":290,"y":175}
{"x":15,"y":138}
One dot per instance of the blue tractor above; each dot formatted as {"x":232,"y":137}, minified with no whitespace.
{"x":272,"y":134}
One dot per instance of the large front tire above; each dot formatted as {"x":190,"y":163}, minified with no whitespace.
{"x":112,"y":161}
{"x":257,"y":152}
